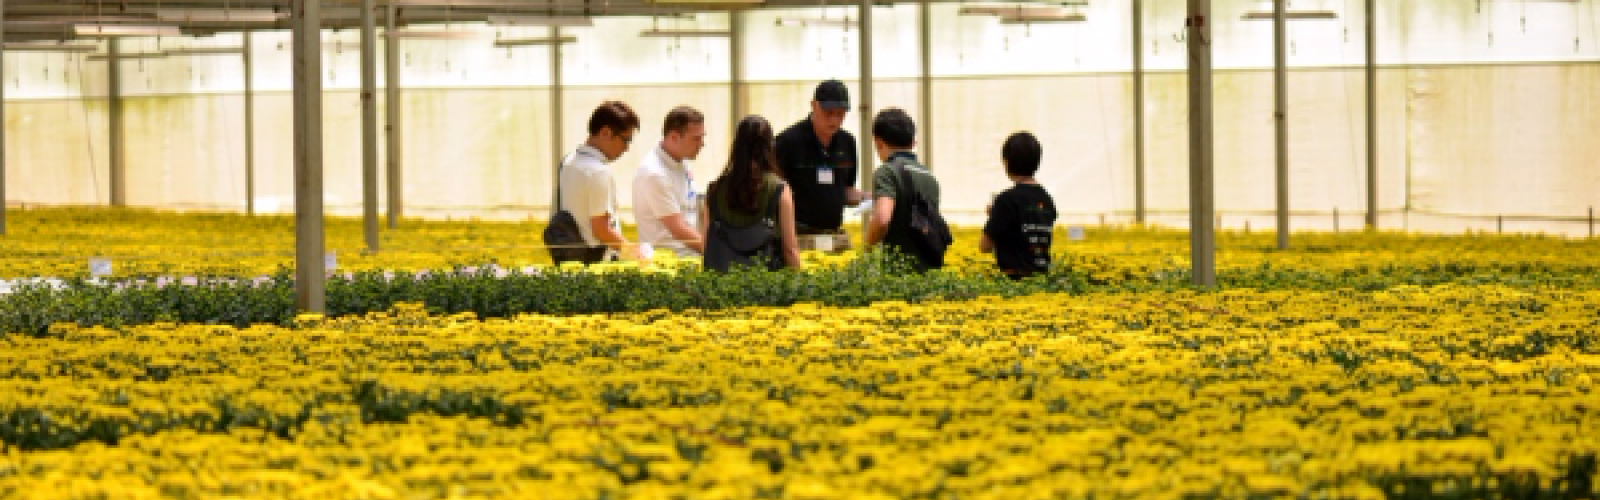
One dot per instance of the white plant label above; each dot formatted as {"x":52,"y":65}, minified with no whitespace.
{"x":824,"y":242}
{"x":330,"y":261}
{"x":99,"y":267}
{"x":1075,"y":233}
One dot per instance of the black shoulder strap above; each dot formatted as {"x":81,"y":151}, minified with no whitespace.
{"x":711,"y":203}
{"x":772,"y":204}
{"x":559,"y":168}
{"x":905,"y":178}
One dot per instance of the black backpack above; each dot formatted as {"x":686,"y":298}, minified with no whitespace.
{"x":929,"y":234}
{"x":755,"y":244}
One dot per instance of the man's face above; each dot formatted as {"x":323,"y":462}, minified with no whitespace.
{"x":614,"y":144}
{"x":827,"y":121}
{"x":686,"y":145}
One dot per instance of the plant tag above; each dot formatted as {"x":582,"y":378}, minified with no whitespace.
{"x":647,"y":252}
{"x":99,"y":267}
{"x":824,"y":242}
{"x":1075,"y":233}
{"x":330,"y":261}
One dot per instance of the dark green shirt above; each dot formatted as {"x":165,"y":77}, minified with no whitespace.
{"x":769,"y":188}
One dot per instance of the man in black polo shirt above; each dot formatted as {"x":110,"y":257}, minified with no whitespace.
{"x":818,"y":160}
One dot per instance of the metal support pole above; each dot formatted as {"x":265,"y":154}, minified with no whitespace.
{"x":925,"y":36}
{"x":369,"y":126}
{"x":1138,"y":112}
{"x":2,"y":121}
{"x":1499,"y":223}
{"x":1202,"y":206}
{"x":1372,"y":115}
{"x":310,"y":278}
{"x":738,"y":105}
{"x":391,"y":101}
{"x":1591,"y":222}
{"x":556,"y":103}
{"x":249,"y":126}
{"x":119,"y":157}
{"x":1280,"y":57}
{"x":868,"y":156}
{"x":1335,"y":219}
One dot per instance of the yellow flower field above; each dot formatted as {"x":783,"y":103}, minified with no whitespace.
{"x":1446,"y":392}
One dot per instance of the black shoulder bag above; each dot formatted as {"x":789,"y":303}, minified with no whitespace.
{"x":929,"y":232}
{"x":757,"y":243}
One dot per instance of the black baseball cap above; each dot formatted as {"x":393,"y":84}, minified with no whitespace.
{"x":832,"y":94}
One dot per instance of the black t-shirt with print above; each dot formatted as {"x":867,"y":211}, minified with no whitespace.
{"x":1020,"y":226}
{"x":806,"y":164}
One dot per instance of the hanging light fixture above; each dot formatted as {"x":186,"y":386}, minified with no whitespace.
{"x":685,"y":33}
{"x":115,"y":30}
{"x":221,"y":15}
{"x":562,"y":21}
{"x":530,"y":42}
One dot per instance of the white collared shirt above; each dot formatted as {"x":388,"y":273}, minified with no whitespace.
{"x":664,"y":186}
{"x":588,"y":191}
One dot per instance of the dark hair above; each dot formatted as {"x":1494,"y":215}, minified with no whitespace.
{"x":1022,"y":153}
{"x":752,"y":156}
{"x":613,"y":115}
{"x":895,"y":128}
{"x":679,"y":120}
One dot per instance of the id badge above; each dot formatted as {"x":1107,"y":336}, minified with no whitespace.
{"x":824,"y":175}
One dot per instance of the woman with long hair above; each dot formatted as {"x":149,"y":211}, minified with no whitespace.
{"x":743,"y":196}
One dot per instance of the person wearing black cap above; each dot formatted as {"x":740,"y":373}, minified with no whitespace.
{"x":818,"y":159}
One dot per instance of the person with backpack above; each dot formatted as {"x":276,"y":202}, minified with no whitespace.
{"x":905,"y":210}
{"x":1022,"y":218}
{"x":585,"y":227}
{"x":749,"y":213}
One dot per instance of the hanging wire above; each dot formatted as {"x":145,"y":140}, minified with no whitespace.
{"x":1524,"y":17}
{"x":88,"y":145}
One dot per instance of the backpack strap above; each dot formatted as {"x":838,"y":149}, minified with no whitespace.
{"x":772,"y":204}
{"x":559,"y":168}
{"x":905,"y":178}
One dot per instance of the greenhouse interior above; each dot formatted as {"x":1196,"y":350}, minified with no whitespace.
{"x":1070,"y":249}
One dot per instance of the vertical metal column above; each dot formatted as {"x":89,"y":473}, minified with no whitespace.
{"x":925,"y":35}
{"x":119,"y":156}
{"x":1372,"y":115}
{"x":369,"y":126}
{"x":310,"y":280}
{"x":2,"y":120}
{"x":556,"y":103}
{"x":1280,"y":60}
{"x":249,"y":126}
{"x":869,"y":158}
{"x":1138,"y":112}
{"x":737,"y":105}
{"x":1202,"y":206}
{"x":391,"y":98}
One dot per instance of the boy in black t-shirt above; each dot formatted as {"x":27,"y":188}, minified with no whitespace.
{"x":1022,"y":218}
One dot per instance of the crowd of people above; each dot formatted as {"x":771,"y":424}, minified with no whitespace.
{"x":783,"y":193}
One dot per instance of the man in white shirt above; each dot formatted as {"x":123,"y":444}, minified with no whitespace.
{"x":664,"y":200}
{"x":587,"y":190}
